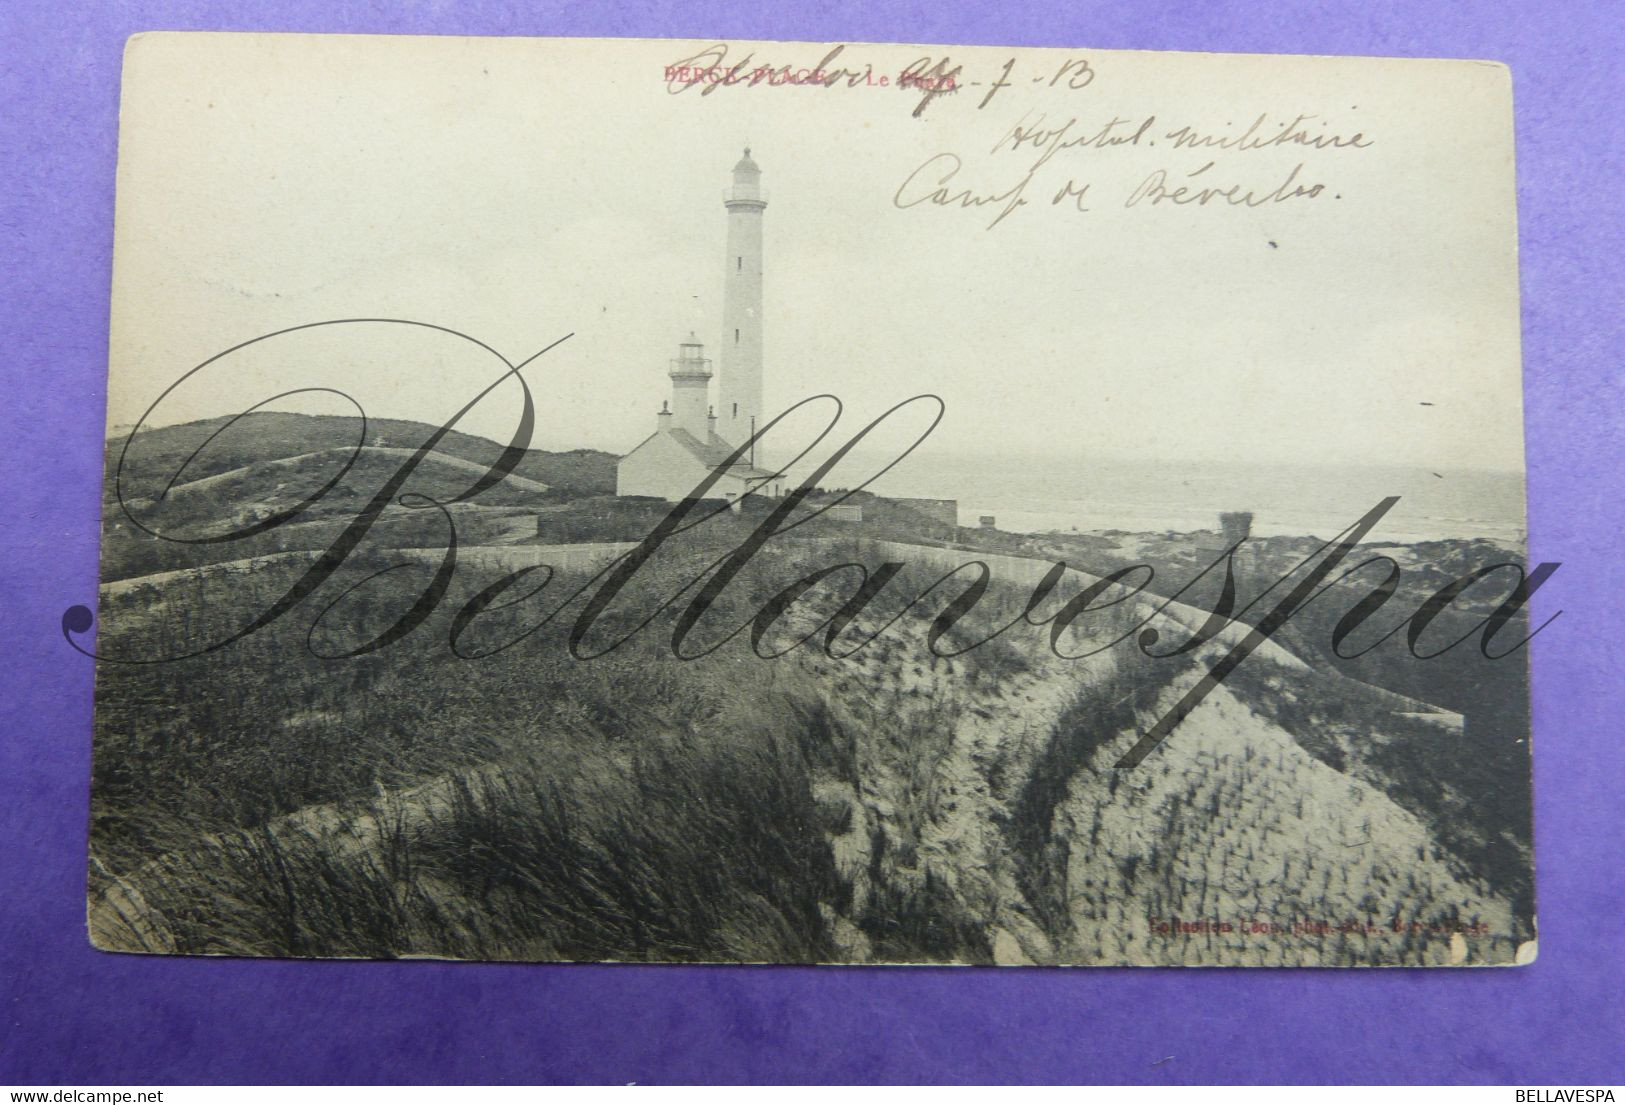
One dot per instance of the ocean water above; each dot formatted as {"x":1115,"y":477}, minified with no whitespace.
{"x":1038,"y":494}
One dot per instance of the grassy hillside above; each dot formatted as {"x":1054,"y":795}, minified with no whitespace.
{"x":272,"y":435}
{"x":892,"y":806}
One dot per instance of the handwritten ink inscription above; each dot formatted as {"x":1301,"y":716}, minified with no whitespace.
{"x":944,"y":181}
{"x":1074,"y":162}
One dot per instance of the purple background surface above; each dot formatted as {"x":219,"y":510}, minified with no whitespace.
{"x":73,"y":1015}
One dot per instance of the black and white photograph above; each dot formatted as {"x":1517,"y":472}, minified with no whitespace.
{"x":794,"y":503}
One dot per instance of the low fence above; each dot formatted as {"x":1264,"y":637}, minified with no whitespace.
{"x":562,"y":558}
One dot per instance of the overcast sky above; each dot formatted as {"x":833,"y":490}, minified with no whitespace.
{"x":519,"y":190}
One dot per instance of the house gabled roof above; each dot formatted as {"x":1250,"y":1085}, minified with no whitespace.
{"x":715,"y":453}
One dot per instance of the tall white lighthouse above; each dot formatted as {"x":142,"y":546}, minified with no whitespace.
{"x":739,"y":407}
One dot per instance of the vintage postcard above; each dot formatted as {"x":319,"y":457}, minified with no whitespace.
{"x":774,"y":502}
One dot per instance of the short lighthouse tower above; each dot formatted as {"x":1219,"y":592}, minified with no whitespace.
{"x":690,"y":389}
{"x":739,"y":409}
